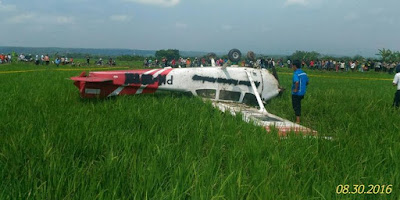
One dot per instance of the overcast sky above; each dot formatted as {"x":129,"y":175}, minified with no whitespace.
{"x":342,"y":27}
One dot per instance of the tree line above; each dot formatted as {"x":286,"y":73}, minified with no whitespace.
{"x":385,"y":55}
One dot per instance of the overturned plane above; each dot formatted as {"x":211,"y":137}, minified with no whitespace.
{"x":229,"y":88}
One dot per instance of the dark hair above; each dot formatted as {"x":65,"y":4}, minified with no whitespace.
{"x":398,"y":68}
{"x":297,"y":63}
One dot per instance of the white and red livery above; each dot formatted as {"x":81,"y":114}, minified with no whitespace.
{"x":226,"y":86}
{"x":227,"y":83}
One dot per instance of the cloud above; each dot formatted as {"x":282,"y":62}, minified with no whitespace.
{"x":305,"y":3}
{"x":266,"y":29}
{"x":296,"y":2}
{"x":33,"y":18}
{"x":64,"y":20}
{"x":227,"y":27}
{"x":7,"y":8}
{"x":376,"y":11}
{"x":351,"y":16}
{"x":387,"y":20}
{"x":23,"y":18}
{"x":180,"y":25}
{"x":120,"y":18}
{"x":165,"y":3}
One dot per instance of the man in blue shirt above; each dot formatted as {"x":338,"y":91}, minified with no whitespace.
{"x":299,"y":86}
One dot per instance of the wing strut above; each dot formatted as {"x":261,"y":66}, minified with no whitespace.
{"x":260,"y":103}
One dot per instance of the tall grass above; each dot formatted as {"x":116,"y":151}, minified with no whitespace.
{"x":54,"y":145}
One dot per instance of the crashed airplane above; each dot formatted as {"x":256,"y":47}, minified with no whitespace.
{"x":229,"y":88}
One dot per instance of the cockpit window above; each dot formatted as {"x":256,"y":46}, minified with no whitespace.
{"x":229,"y":95}
{"x":206,"y":93}
{"x":250,"y":99}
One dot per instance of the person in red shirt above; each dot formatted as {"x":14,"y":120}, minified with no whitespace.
{"x":203,"y":61}
{"x":47,"y":59}
{"x":188,"y":63}
{"x":2,"y":58}
{"x":173,"y":62}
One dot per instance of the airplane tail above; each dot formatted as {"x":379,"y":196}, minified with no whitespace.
{"x":91,"y":87}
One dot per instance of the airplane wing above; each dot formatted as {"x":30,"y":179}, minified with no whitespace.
{"x":267,"y":120}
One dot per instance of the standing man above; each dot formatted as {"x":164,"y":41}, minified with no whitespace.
{"x":300,"y":82}
{"x":289,"y":63}
{"x":47,"y":59}
{"x":396,"y":82}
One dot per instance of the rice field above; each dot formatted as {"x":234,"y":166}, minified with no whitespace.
{"x":54,"y":145}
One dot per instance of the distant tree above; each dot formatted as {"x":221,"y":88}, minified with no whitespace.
{"x":313,"y":55}
{"x":385,"y":54}
{"x":305,"y":56}
{"x":389,"y":56}
{"x":358,"y":58}
{"x":130,"y":58}
{"x":395,"y":56}
{"x":298,"y":55}
{"x":169,"y":54}
{"x":326,"y":57}
{"x":344,"y":59}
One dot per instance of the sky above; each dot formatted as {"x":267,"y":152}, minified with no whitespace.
{"x":336,"y":27}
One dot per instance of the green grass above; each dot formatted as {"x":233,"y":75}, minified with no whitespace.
{"x":54,"y":145}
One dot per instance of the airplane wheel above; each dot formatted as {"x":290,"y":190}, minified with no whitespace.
{"x":234,"y":55}
{"x":251,"y":56}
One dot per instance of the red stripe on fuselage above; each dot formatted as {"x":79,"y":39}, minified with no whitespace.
{"x":152,"y":88}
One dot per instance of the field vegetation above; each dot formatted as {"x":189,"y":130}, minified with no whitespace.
{"x":54,"y":145}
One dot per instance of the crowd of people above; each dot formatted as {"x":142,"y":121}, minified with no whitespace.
{"x":328,"y":65}
{"x":196,"y":62}
{"x":45,"y":59}
{"x":181,"y":62}
{"x":110,"y":62}
{"x":354,"y":65}
{"x":334,"y":65}
{"x":5,"y":58}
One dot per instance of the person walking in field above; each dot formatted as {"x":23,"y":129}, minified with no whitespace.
{"x":9,"y":58}
{"x":188,"y":63}
{"x":47,"y":59}
{"x":41,"y":60}
{"x":396,"y":82}
{"x":57,"y":61}
{"x":173,"y":62}
{"x":299,"y":86}
{"x":342,"y":66}
{"x":37,"y":59}
{"x":353,"y":66}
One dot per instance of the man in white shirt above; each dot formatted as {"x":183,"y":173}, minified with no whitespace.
{"x":342,"y":65}
{"x":353,"y":66}
{"x":396,"y":82}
